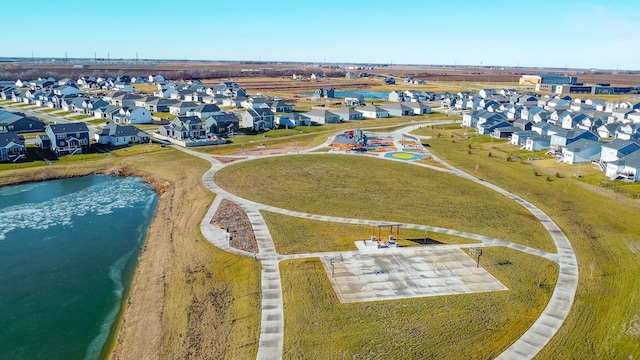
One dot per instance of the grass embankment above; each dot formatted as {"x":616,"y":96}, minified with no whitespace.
{"x":293,"y":235}
{"x":605,"y":319}
{"x":478,"y":326}
{"x":188,"y":299}
{"x":371,"y":188}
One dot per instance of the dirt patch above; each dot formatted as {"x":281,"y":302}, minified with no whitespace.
{"x":632,"y":328}
{"x":271,"y":150}
{"x":227,"y":160}
{"x":230,"y":216}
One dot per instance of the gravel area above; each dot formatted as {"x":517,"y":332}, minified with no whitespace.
{"x":230,"y":216}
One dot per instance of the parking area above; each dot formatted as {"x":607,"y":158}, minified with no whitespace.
{"x":358,"y":277}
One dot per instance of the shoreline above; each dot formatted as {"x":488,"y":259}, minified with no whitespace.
{"x":160,"y":186}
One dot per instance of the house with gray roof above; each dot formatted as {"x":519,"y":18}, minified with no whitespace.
{"x":397,"y":109}
{"x":348,"y":114}
{"x":291,"y":120}
{"x":607,"y":130}
{"x":418,"y":107}
{"x":19,"y":123}
{"x":107,"y":112}
{"x":181,"y":108}
{"x":617,"y":149}
{"x":372,"y":112}
{"x":565,"y":137}
{"x":322,"y":117}
{"x":628,"y":131}
{"x":627,"y":168}
{"x":397,"y":96}
{"x":504,"y":132}
{"x":581,"y":151}
{"x":493,"y":123}
{"x":537,"y":143}
{"x":280,"y":106}
{"x":326,"y":93}
{"x":12,"y":146}
{"x":541,"y":127}
{"x":260,"y":119}
{"x":121,"y":135}
{"x":69,"y":138}
{"x":122,"y":98}
{"x":183,"y":128}
{"x":222,"y":123}
{"x":204,"y":111}
{"x":520,"y":137}
{"x":353,"y":100}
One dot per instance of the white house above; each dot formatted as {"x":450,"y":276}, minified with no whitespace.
{"x":625,"y":168}
{"x":137,"y":115}
{"x":617,"y":148}
{"x":373,"y":112}
{"x":118,"y":135}
{"x":182,"y":108}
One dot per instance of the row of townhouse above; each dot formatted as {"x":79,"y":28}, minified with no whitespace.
{"x":575,"y":130}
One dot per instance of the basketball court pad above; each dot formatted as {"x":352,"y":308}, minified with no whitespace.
{"x":390,"y":274}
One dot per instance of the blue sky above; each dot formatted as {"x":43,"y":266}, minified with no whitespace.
{"x":581,"y":34}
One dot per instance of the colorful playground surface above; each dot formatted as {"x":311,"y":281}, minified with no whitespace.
{"x":387,"y":275}
{"x":403,"y":155}
{"x":357,"y":140}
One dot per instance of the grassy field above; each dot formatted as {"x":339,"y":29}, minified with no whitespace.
{"x":81,"y":117}
{"x":371,"y":188}
{"x":605,"y":319}
{"x":472,"y":326}
{"x":97,"y":121}
{"x":188,"y":299}
{"x":145,"y":88}
{"x":164,"y":115}
{"x":293,"y":235}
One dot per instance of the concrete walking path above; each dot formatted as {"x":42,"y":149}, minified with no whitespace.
{"x":272,"y":324}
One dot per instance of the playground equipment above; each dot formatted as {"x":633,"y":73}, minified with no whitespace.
{"x":351,"y":140}
{"x":390,"y":240}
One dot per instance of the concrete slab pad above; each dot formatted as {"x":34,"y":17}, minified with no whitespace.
{"x":373,"y":276}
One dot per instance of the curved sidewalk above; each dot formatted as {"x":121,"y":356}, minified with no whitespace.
{"x":272,"y":326}
{"x":557,"y":310}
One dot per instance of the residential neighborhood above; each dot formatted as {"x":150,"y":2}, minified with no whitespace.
{"x":574,"y":129}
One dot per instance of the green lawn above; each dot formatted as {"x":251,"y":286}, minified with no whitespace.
{"x":602,"y":226}
{"x":471,"y":326}
{"x":371,"y":188}
{"x":164,"y":115}
{"x":82,"y":117}
{"x":96,"y":121}
{"x":293,"y":235}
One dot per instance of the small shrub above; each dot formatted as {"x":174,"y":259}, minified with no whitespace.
{"x":548,"y":178}
{"x":490,"y":154}
{"x":558,"y":175}
{"x":469,"y":152}
{"x":468,"y":146}
{"x":508,"y":157}
{"x":535,"y":173}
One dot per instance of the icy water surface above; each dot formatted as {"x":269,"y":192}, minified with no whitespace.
{"x":67,"y":252}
